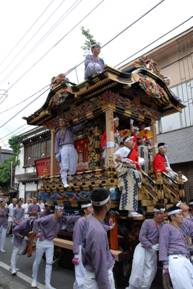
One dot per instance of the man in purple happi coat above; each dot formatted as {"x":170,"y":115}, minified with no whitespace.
{"x":46,"y":229}
{"x":144,"y":266}
{"x":18,"y":214}
{"x":34,"y":208}
{"x":20,"y":232}
{"x":65,"y":150}
{"x":78,"y":236}
{"x":3,"y":224}
{"x":174,"y":252}
{"x":97,"y":258}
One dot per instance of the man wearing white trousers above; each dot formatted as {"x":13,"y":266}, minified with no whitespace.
{"x":46,"y":229}
{"x":78,"y":236}
{"x":144,"y":266}
{"x":3,"y":225}
{"x":65,"y":150}
{"x":174,"y":252}
{"x":20,"y":231}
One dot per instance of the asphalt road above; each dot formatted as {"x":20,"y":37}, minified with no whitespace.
{"x":62,"y":278}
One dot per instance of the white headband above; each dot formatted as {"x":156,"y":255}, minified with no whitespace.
{"x":129,"y":138}
{"x":191,"y":203}
{"x":162,"y":210}
{"x":84,"y":206}
{"x":174,"y":212}
{"x":179,"y":204}
{"x":101,"y":203}
{"x":59,"y":207}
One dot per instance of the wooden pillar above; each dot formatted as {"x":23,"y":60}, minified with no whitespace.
{"x":110,"y":145}
{"x":52,"y":153}
{"x":154,"y":139}
{"x":113,"y":237}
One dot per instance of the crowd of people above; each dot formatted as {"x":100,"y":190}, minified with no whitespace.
{"x":169,"y":240}
{"x":44,"y":221}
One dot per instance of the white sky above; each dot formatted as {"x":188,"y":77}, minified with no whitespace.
{"x":16,"y":17}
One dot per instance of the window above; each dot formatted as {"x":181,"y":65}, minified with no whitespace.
{"x":179,"y":120}
{"x":34,"y":151}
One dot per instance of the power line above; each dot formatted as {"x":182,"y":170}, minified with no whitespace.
{"x":26,"y":44}
{"x":17,"y":104}
{"x":157,"y":39}
{"x":5,"y":136}
{"x":27,"y":31}
{"x":122,"y":61}
{"x":22,"y":109}
{"x":3,"y":97}
{"x":56,"y":44}
{"x":121,"y":32}
{"x":133,"y":23}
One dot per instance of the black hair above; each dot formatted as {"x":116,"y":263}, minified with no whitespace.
{"x":161,"y":144}
{"x":99,"y":195}
{"x":159,"y":206}
{"x":85,"y":202}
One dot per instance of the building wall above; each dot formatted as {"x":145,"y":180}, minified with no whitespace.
{"x":175,"y":59}
{"x":5,"y":154}
{"x":29,"y":152}
{"x":187,"y":169}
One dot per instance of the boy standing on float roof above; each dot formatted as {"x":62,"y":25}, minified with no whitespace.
{"x":97,"y":258}
{"x":93,"y":63}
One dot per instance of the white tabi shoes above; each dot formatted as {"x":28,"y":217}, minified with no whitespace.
{"x":134,"y":214}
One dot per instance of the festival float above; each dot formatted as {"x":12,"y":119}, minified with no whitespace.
{"x":138,"y":97}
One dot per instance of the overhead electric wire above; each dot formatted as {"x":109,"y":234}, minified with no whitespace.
{"x":27,"y":43}
{"x":121,"y":61}
{"x":24,"y":100}
{"x":7,"y":121}
{"x":3,"y":98}
{"x":27,"y":31}
{"x":11,"y":133}
{"x":134,"y":22}
{"x":154,"y":41}
{"x":52,"y":28}
{"x":121,"y":32}
{"x":52,"y":47}
{"x":66,"y":34}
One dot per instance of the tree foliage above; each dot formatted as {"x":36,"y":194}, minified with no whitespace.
{"x":5,"y":172}
{"x":5,"y":166}
{"x":89,"y":39}
{"x":14,"y":143}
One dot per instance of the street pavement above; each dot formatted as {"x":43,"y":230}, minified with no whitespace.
{"x":61,"y":278}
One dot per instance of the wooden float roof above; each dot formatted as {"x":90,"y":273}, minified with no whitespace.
{"x":110,"y":80}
